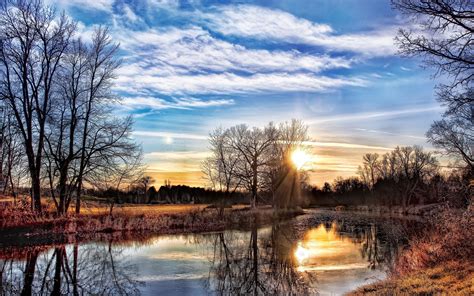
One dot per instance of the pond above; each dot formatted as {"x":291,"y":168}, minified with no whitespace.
{"x":323,"y":253}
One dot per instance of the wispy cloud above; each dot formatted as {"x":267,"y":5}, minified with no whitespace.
{"x":388,"y":133}
{"x":373,"y":115}
{"x":272,"y":24}
{"x":178,"y":155}
{"x":344,"y":145}
{"x":193,"y":49}
{"x":230,"y":83}
{"x":190,"y":61}
{"x":103,"y":5}
{"x":169,"y":135}
{"x":156,"y":103}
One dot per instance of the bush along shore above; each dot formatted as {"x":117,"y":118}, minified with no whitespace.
{"x":439,"y":262}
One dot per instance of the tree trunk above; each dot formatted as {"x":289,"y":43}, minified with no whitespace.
{"x":254,"y":185}
{"x":62,"y":192}
{"x":255,"y":257}
{"x":74,"y":270}
{"x":29,"y":273}
{"x":78,"y":196}
{"x":36,"y":193}
{"x":57,"y":272}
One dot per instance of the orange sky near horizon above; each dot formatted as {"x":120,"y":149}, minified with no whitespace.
{"x":326,"y":162}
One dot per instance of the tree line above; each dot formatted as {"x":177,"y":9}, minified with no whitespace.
{"x":58,"y":129}
{"x":403,"y":177}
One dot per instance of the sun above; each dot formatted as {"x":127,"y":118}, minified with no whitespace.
{"x":299,"y":158}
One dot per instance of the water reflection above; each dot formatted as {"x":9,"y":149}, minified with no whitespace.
{"x":94,"y":269}
{"x":261,"y":263}
{"x":328,"y":258}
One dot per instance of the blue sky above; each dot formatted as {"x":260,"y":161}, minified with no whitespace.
{"x":190,"y":66}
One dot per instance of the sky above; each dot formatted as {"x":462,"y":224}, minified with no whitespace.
{"x":191,"y":66}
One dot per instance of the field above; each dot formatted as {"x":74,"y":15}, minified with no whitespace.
{"x":98,"y":209}
{"x":17,"y":221}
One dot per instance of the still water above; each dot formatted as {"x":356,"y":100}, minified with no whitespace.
{"x":321,"y":256}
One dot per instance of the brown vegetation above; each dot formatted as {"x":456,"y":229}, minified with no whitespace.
{"x":438,"y":262}
{"x":19,"y":220}
{"x":450,"y":279}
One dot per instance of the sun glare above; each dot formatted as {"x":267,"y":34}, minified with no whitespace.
{"x":299,"y":158}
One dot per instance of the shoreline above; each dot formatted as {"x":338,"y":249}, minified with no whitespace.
{"x":83,"y":227}
{"x":449,"y":278}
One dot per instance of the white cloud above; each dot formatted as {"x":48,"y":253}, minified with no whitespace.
{"x":170,"y":4}
{"x":373,"y":115}
{"x":129,"y":14}
{"x":178,"y":155}
{"x":344,"y":145}
{"x":195,"y":50}
{"x":104,"y":5}
{"x":389,"y":133}
{"x":170,"y":134}
{"x":156,"y":103}
{"x":226,"y":83}
{"x":270,"y":24}
{"x":190,"y":61}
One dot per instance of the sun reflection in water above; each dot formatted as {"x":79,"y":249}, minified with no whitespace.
{"x":325,"y":249}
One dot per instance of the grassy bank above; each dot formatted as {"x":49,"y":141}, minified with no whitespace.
{"x":20,"y":222}
{"x":439,"y":262}
{"x":444,"y":279}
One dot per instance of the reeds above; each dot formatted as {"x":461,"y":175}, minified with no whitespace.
{"x":160,"y":219}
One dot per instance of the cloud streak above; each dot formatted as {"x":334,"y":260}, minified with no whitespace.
{"x":170,"y":135}
{"x":271,"y":24}
{"x":156,"y":103}
{"x":193,"y":49}
{"x":373,"y":115}
{"x":344,"y":145}
{"x":230,"y":83}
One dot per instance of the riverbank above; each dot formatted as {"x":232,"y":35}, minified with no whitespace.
{"x":439,"y":262}
{"x":428,"y":210}
{"x":444,"y":279}
{"x":19,"y":223}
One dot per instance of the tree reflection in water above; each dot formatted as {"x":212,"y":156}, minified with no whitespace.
{"x":86,"y":270}
{"x":269,"y":261}
{"x":257,"y":264}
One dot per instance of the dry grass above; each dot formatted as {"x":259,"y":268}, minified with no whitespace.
{"x":440,"y":262}
{"x":98,"y":209}
{"x":20,"y":221}
{"x":448,"y":279}
{"x":448,"y":238}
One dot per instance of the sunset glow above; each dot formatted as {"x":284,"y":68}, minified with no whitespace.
{"x":325,"y":249}
{"x":299,"y":158}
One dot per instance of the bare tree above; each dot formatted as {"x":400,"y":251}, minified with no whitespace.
{"x":252,"y":145}
{"x":85,"y":142}
{"x":444,"y":39}
{"x":13,"y":165}
{"x":283,"y":179}
{"x":257,"y":160}
{"x":98,"y":133}
{"x":222,"y":165}
{"x":443,"y":36}
{"x":32,"y":44}
{"x":415,"y":167}
{"x":145,"y":183}
{"x":369,"y":171}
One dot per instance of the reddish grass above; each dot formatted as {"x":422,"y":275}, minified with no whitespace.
{"x":19,"y":220}
{"x":448,"y":239}
{"x":439,"y":262}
